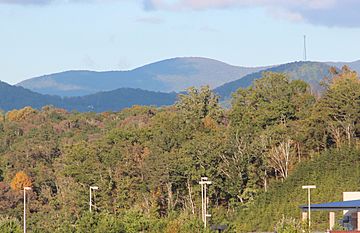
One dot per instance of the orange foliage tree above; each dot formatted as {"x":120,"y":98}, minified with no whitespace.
{"x":20,"y":181}
{"x":21,"y":114}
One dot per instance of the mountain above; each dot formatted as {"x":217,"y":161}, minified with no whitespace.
{"x":169,"y":75}
{"x":311,"y":72}
{"x":355,"y":65}
{"x":14,"y":97}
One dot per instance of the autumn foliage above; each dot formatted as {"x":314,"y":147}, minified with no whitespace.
{"x":22,"y":114}
{"x":20,"y":181}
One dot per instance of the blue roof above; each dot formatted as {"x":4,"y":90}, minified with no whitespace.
{"x":340,"y":205}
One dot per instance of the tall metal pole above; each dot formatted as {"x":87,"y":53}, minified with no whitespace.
{"x":202,"y":202}
{"x":205,"y":204}
{"x":308,"y":187}
{"x":203,"y":182}
{"x":309,"y":209}
{"x":25,"y":189}
{"x":90,"y":201}
{"x":90,"y":197}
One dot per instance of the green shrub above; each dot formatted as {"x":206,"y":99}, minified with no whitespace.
{"x":288,"y":225}
{"x":9,"y":225}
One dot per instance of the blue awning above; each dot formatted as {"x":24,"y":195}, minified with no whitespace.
{"x":333,"y":206}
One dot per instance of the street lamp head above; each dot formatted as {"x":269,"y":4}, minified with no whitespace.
{"x":94,"y":187}
{"x":205,"y":182}
{"x":27,"y":188}
{"x":309,"y":187}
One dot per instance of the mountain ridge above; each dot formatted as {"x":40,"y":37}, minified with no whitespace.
{"x":169,"y":75}
{"x":15,"y":97}
{"x":174,"y":74}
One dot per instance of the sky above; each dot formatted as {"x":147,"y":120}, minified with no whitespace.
{"x":40,"y":37}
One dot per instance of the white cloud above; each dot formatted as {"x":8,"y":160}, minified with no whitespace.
{"x":342,"y":13}
{"x":206,"y":4}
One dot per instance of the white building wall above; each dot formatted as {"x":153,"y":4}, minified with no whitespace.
{"x":350,"y":196}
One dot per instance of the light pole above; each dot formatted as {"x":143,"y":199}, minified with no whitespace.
{"x":90,"y":201}
{"x":203,"y":182}
{"x":25,"y":189}
{"x":308,"y":187}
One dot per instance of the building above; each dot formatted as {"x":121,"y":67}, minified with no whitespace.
{"x":350,"y":207}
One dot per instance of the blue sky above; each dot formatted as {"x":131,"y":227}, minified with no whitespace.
{"x":46,"y":36}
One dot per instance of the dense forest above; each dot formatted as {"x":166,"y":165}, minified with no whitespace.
{"x":147,"y":161}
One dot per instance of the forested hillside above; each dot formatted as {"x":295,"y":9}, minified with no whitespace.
{"x":311,"y":72}
{"x":13,"y":97}
{"x":147,"y":161}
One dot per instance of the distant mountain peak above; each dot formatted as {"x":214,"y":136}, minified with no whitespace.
{"x":174,"y":74}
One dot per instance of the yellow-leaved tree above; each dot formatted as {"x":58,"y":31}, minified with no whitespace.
{"x":20,"y":181}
